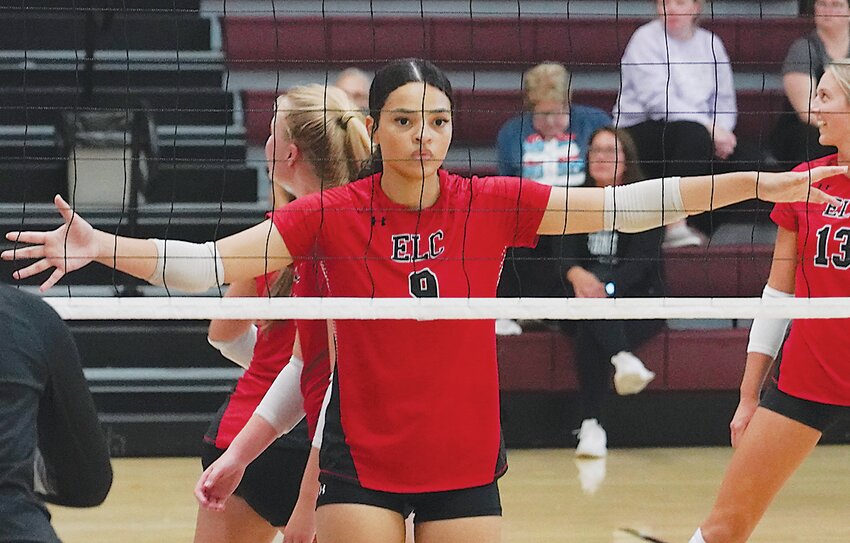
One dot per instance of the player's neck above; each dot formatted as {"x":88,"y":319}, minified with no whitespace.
{"x":411,"y":193}
{"x":843,"y":157}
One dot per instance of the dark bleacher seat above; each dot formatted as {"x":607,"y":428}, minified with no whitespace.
{"x":35,"y":30}
{"x":717,"y":271}
{"x":709,"y":359}
{"x":12,"y":6}
{"x":204,"y":183}
{"x":68,"y":72}
{"x":31,"y":181}
{"x":480,"y":113}
{"x":492,"y":43}
{"x":169,"y":105}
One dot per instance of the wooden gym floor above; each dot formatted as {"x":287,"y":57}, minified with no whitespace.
{"x":659,"y":493}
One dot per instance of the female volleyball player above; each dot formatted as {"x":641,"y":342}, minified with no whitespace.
{"x":413,"y":418}
{"x":309,"y":122}
{"x":774,"y":435}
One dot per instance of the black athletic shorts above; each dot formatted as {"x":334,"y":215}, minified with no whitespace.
{"x":813,"y":414}
{"x":271,"y":482}
{"x":480,"y":501}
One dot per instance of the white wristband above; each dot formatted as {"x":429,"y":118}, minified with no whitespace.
{"x":767,"y":335}
{"x":643,"y":206}
{"x":283,"y":404}
{"x":186,"y":266}
{"x":239,"y":350}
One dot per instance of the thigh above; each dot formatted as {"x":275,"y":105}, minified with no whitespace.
{"x":358,"y":523}
{"x":772,"y":448}
{"x":460,"y":530}
{"x":238,"y":523}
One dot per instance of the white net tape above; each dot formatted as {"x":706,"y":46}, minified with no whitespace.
{"x":176,"y":308}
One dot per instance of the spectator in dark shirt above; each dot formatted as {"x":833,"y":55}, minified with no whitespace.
{"x":610,"y":264}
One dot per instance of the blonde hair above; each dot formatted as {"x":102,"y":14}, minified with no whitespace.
{"x":546,"y":82}
{"x":329,"y":130}
{"x":331,"y":134}
{"x":840,"y":69}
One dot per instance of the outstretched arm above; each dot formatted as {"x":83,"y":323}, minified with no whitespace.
{"x":75,"y":244}
{"x":653,"y":203}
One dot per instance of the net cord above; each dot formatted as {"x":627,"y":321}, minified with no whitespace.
{"x":186,"y":308}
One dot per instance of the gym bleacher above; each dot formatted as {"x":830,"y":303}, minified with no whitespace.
{"x":207,"y":73}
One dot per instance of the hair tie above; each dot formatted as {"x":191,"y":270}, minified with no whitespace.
{"x":345,"y":117}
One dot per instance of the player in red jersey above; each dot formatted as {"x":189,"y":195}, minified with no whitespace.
{"x":413,"y":418}
{"x":269,"y":498}
{"x":774,"y":435}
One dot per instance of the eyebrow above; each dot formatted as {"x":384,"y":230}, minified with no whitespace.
{"x":412,"y":111}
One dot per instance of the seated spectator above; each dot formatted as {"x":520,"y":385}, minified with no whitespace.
{"x":795,"y":137}
{"x":355,"y":83}
{"x":610,"y":264}
{"x":677,"y":100}
{"x":51,"y":444}
{"x":546,"y":143}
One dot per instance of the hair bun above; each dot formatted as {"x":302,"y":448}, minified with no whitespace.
{"x":345,"y":117}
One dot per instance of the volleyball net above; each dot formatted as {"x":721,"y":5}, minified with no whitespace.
{"x":151,"y":117}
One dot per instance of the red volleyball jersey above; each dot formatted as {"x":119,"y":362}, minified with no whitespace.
{"x":271,"y":353}
{"x":816,"y":356}
{"x":310,"y":281}
{"x":418,"y":401}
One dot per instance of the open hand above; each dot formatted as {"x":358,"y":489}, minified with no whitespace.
{"x":68,"y":248}
{"x":797,"y":186}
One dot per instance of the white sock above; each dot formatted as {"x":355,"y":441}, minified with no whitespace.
{"x":697,"y":538}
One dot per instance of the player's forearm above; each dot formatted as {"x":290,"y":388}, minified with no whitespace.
{"x":755,"y":372}
{"x":310,"y":480}
{"x":707,"y":192}
{"x":254,"y":438}
{"x":133,"y":256}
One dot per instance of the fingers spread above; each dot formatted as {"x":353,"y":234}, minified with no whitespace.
{"x":52,"y":280}
{"x":821,"y":172}
{"x":64,"y":208}
{"x":33,"y":269}
{"x":820,"y":197}
{"x":21,"y":253}
{"x":26,"y":237}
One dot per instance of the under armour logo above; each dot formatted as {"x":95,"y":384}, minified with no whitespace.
{"x":322,"y":489}
{"x":383,"y":221}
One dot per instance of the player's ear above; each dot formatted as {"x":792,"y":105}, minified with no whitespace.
{"x":371,"y":128}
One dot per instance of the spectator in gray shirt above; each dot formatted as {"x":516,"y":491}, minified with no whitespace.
{"x":795,"y":136}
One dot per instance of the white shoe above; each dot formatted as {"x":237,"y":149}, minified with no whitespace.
{"x":591,"y":473}
{"x":630,"y":375}
{"x":681,"y":235}
{"x":507,"y":327}
{"x":592,"y":440}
